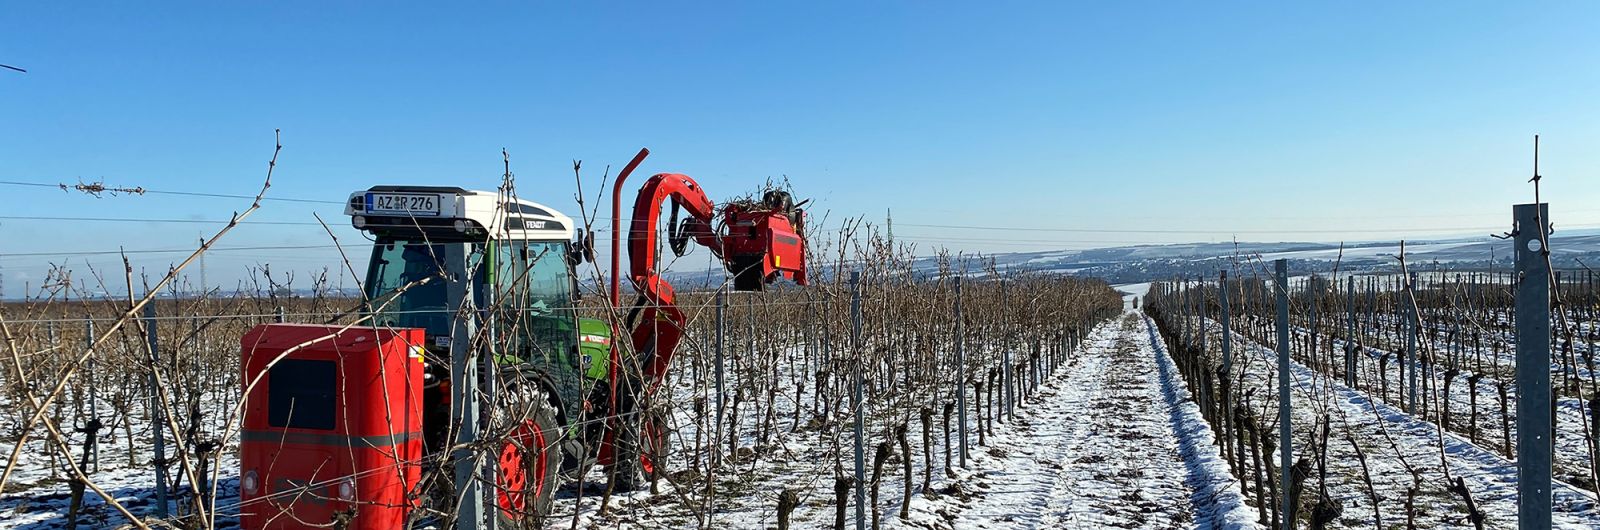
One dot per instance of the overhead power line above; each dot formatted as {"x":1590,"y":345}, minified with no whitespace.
{"x":183,"y":193}
{"x":158,"y":251}
{"x":145,"y":220}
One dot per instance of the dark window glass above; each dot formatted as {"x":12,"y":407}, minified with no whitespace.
{"x":416,"y":267}
{"x":300,"y":394}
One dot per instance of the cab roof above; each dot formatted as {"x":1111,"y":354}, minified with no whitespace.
{"x":448,"y":211}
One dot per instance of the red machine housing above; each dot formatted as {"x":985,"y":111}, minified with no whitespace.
{"x":332,"y":429}
{"x":762,"y":238}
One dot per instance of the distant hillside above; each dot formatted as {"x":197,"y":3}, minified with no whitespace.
{"x":1141,"y":263}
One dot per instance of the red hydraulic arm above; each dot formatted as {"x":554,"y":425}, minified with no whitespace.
{"x":759,"y":242}
{"x":659,"y":324}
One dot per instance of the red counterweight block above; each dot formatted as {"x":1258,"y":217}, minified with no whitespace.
{"x":332,"y":426}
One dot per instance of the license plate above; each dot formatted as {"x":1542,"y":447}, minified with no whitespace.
{"x":403,"y":203}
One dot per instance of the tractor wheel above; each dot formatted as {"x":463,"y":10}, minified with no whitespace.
{"x":530,"y":459}
{"x":641,"y":451}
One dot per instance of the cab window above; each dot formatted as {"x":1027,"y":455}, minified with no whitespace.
{"x":406,"y":287}
{"x":533,"y":285}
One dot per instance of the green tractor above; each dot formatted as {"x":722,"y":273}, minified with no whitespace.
{"x":491,"y":280}
{"x":441,"y":253}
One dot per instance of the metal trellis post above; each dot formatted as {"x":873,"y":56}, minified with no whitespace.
{"x":1533,"y":361}
{"x":158,"y":418}
{"x":855,"y":401}
{"x":722,"y":306}
{"x":1350,"y":333}
{"x":1286,"y":451}
{"x":465,"y":408}
{"x":961,"y":375}
{"x":1411,"y":343}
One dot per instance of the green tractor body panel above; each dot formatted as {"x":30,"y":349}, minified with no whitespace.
{"x":594,"y":345}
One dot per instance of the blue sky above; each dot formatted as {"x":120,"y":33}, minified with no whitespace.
{"x":1196,"y":121}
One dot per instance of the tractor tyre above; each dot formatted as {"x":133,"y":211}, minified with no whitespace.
{"x":641,"y":452}
{"x":530,"y":458}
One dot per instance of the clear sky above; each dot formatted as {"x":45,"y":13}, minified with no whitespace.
{"x":1110,"y":122}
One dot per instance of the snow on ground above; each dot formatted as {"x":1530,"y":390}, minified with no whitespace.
{"x":1109,"y":443}
{"x":1133,"y":291}
{"x":1571,"y":453}
{"x":37,"y":496}
{"x":1395,"y":446}
{"x":1209,"y":473}
{"x":1367,"y":252}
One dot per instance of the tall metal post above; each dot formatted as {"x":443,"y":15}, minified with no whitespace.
{"x":722,"y":305}
{"x":1312,"y":354}
{"x":1286,"y":460}
{"x":1227,"y":328}
{"x":1005,"y":358}
{"x":1350,"y":333}
{"x":750,"y":326}
{"x":1183,"y":306}
{"x":1533,"y":366}
{"x":94,"y":404}
{"x":157,"y":414}
{"x":1225,"y":374}
{"x":961,"y":374}
{"x":464,"y":406}
{"x":488,"y":377}
{"x":1372,"y":305}
{"x":1411,"y":343}
{"x":855,"y":401}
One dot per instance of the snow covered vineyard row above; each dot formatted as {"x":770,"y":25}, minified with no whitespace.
{"x":1109,"y":441}
{"x":1464,"y":354}
{"x":1467,"y":316}
{"x":788,"y":425}
{"x":1479,"y":408}
{"x":1106,"y":439}
{"x":1379,"y":461}
{"x":1478,"y":405}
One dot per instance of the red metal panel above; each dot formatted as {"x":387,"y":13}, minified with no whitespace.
{"x":770,"y":236}
{"x":362,"y":469}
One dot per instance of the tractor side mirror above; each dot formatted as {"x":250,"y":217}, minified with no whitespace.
{"x":588,"y":245}
{"x":581,"y":250}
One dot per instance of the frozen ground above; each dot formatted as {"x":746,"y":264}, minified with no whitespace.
{"x":1108,"y":444}
{"x":1109,"y":441}
{"x":1495,"y":431}
{"x":1399,"y":452}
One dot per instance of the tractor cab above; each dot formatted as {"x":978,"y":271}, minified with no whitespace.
{"x":520,"y":258}
{"x":437,"y":250}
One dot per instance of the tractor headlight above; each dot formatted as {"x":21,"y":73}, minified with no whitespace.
{"x":461,"y":225}
{"x":360,"y":221}
{"x":248,"y":483}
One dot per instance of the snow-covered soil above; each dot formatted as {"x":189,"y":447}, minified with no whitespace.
{"x":37,"y":494}
{"x":1572,"y":451}
{"x":1400,"y":452}
{"x":1109,"y":441}
{"x":1104,"y":445}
